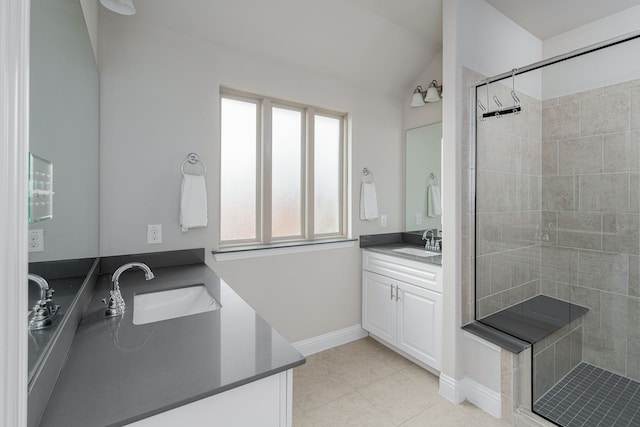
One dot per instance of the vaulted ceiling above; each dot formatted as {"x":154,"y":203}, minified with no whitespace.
{"x":383,"y":45}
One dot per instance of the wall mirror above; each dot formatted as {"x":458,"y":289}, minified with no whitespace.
{"x":64,"y":103}
{"x":423,"y":169}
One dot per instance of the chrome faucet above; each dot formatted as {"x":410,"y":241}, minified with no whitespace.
{"x":116,"y":305}
{"x":44,"y":309}
{"x":429,"y":237}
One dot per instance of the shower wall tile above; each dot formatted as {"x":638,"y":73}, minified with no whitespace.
{"x":604,"y":350}
{"x":583,"y":155}
{"x":500,"y":272}
{"x":559,"y":193}
{"x":605,"y":114}
{"x":549,"y":227}
{"x":561,"y":121}
{"x":592,"y":299}
{"x":549,"y":288}
{"x":621,"y":233}
{"x":559,"y":264}
{"x":564,"y":291}
{"x":633,"y":358}
{"x":550,"y":158}
{"x":497,"y":151}
{"x":520,"y":293}
{"x":582,"y":230}
{"x":604,"y":192}
{"x":562,"y":358}
{"x":635,"y":108}
{"x":621,"y":152}
{"x":604,"y":271}
{"x":576,"y":347}
{"x":634,"y":276}
{"x":530,"y":157}
{"x":497,"y":190}
{"x":543,"y":371}
{"x":483,"y":276}
{"x":489,"y":233}
{"x":489,"y":305}
{"x":615,"y":313}
{"x":519,"y":229}
{"x":634,"y":192}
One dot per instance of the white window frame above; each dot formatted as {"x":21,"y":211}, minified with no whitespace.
{"x":263,"y":173}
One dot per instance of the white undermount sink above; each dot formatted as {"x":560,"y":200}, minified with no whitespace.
{"x":162,"y":305}
{"x":417,"y":252}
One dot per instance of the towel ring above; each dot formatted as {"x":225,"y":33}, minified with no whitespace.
{"x":192,"y":159}
{"x":366,"y":172}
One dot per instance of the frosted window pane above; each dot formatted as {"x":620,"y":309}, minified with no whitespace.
{"x":286,"y":185}
{"x":327,"y":175}
{"x":238,"y":170}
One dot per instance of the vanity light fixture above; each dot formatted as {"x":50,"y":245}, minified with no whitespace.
{"x":123,"y":7}
{"x":432,"y":94}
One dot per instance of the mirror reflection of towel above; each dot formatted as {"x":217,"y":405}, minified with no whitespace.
{"x":368,"y":202}
{"x":434,"y":205}
{"x":193,"y":202}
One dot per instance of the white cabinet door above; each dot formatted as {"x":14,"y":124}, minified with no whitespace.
{"x":419,"y":325}
{"x":379,"y":306}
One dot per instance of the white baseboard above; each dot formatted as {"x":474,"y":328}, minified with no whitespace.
{"x":329,"y":340}
{"x":457,"y":391}
{"x":483,"y":397}
{"x":451,"y":389}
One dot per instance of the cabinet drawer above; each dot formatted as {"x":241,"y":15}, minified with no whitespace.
{"x":425,"y":275}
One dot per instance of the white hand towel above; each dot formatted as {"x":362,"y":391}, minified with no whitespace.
{"x":368,"y":201}
{"x":193,"y":202}
{"x":434,"y":205}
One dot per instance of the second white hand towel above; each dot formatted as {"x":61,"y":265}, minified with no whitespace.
{"x":368,"y":201}
{"x":193,"y":202}
{"x":434,"y":205}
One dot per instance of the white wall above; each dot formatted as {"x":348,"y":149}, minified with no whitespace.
{"x":606,"y":67}
{"x":612,"y":26}
{"x":90,"y":11}
{"x":160,"y":101}
{"x":478,"y":37}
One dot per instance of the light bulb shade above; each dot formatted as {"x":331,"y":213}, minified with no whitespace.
{"x":417,"y":100}
{"x":123,"y":7}
{"x":433,"y":94}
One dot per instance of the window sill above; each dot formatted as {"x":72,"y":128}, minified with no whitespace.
{"x":254,"y":251}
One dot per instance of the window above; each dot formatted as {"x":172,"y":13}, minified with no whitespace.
{"x":282,"y":171}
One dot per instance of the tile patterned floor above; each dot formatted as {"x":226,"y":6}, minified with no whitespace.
{"x":590,"y":396}
{"x":363,"y":383}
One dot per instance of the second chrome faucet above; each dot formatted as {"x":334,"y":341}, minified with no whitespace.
{"x":116,"y":305}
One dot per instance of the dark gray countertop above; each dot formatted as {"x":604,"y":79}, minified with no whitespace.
{"x":388,"y":249}
{"x":118,"y":372}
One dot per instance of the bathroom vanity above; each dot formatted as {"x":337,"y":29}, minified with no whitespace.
{"x":226,"y":364}
{"x":402,"y":300}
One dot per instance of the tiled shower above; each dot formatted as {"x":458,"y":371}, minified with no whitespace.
{"x":557,"y":213}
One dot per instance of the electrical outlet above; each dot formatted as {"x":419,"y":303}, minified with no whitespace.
{"x":383,"y":220}
{"x":418,"y":218}
{"x":154,"y":234}
{"x":36,"y":240}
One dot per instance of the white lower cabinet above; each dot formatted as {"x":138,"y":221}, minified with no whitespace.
{"x":265,"y":402}
{"x":402,"y":305}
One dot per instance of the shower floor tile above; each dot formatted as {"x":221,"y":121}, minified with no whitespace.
{"x":590,"y":396}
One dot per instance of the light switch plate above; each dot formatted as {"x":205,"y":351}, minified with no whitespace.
{"x":383,"y":220}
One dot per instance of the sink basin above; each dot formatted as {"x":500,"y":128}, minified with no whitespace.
{"x":162,"y":305}
{"x":417,"y":252}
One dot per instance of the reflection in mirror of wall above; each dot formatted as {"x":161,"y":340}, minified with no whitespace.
{"x":63,"y":126}
{"x":423,"y":158}
{"x":63,"y":129}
